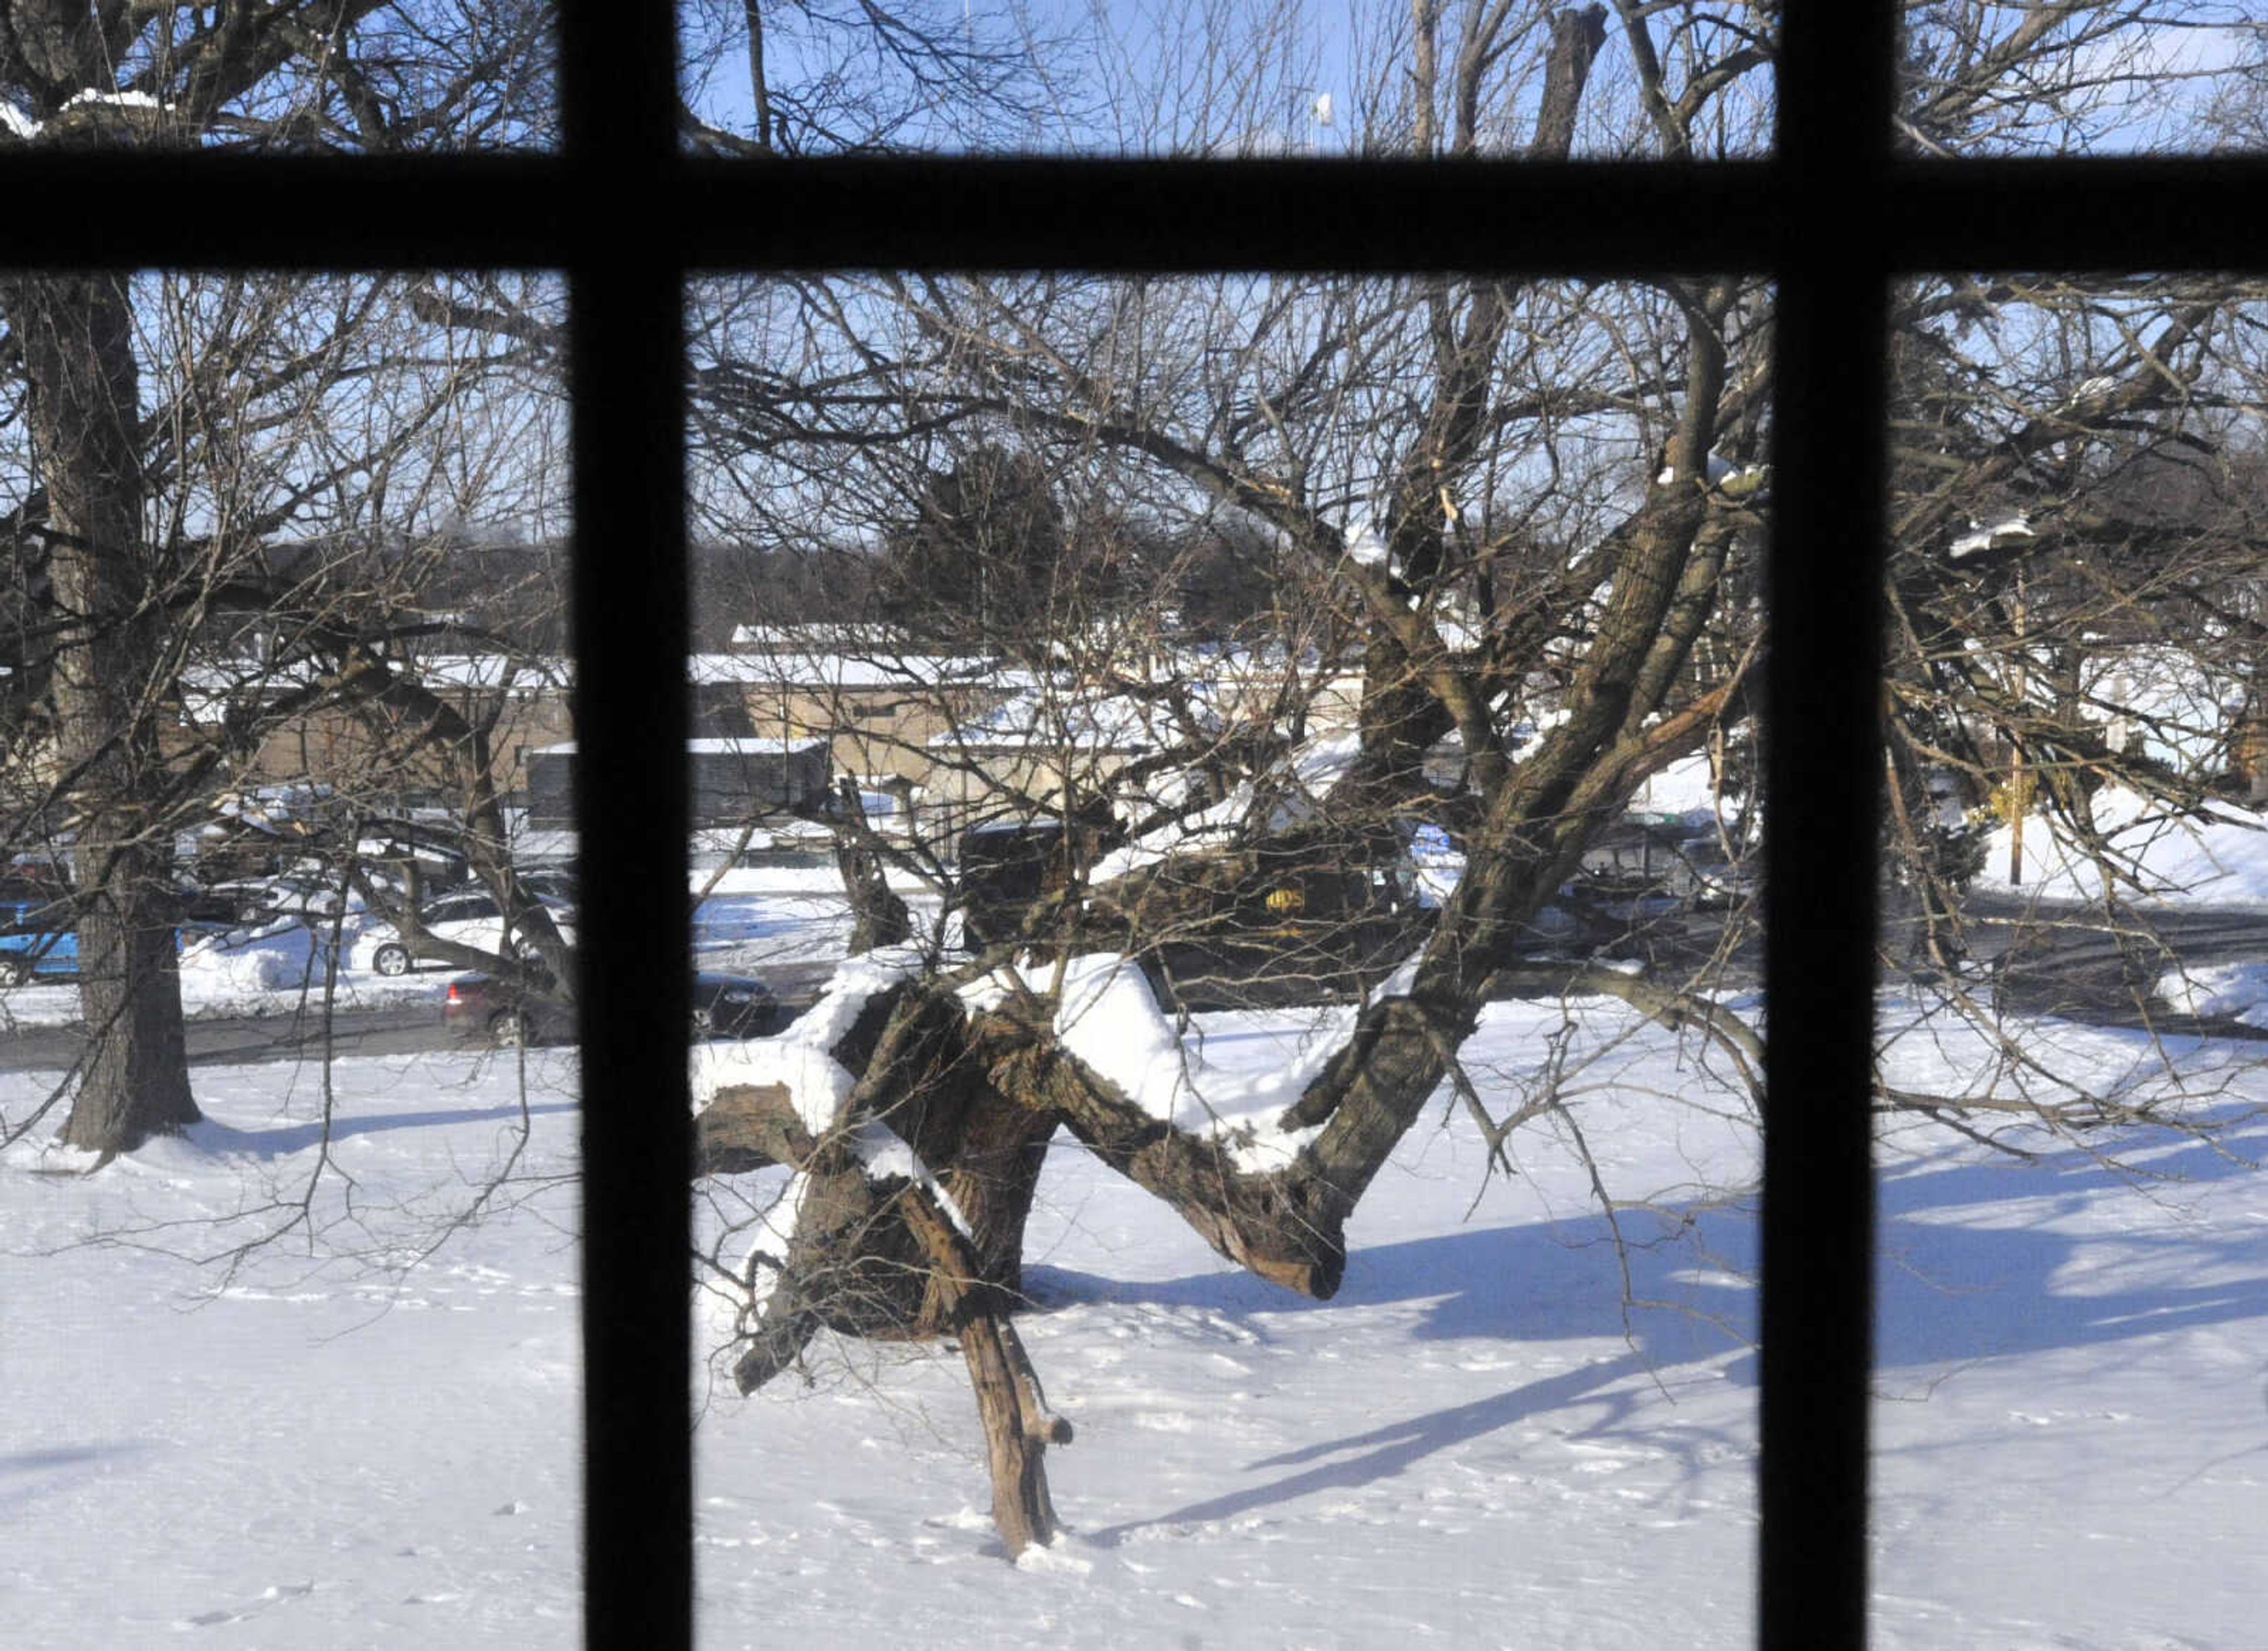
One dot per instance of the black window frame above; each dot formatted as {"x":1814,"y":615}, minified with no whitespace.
{"x":628,"y":218}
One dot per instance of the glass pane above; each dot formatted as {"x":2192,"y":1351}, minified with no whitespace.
{"x":436,"y":74}
{"x":2083,"y":79}
{"x":290,"y":1121}
{"x":1244,"y":792}
{"x":1373,"y":79}
{"x":2073,"y":983}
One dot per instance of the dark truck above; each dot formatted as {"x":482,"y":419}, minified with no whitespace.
{"x":1314,"y":915}
{"x":1009,"y":867}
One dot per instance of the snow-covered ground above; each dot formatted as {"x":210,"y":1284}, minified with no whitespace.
{"x":2156,"y":863}
{"x":2237,"y":991}
{"x":783,"y":925}
{"x":2155,"y":858}
{"x":353,"y":1437}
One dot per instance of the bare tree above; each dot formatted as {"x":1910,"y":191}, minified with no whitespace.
{"x":818,"y":77}
{"x":1525,"y":518}
{"x":132,"y":550}
{"x":1509,"y":530}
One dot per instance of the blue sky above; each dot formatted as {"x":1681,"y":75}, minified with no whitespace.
{"x":1132,"y":74}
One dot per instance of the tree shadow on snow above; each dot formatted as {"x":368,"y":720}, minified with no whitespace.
{"x":283,"y":1140}
{"x":1523,"y":1286}
{"x":1532,"y":1281}
{"x":1986,"y":1260}
{"x":1388,"y":1451}
{"x":1978,"y":1260}
{"x":27,"y":1475}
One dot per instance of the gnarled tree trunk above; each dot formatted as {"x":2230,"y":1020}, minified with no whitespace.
{"x":883,"y":1257}
{"x":854,"y":1264}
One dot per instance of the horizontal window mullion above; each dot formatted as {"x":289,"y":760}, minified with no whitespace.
{"x":2075,"y":216}
{"x":543,"y":211}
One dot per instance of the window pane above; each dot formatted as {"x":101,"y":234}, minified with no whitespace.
{"x":2083,"y":79}
{"x":1239,"y":80}
{"x":290,"y":1121}
{"x":1116,"y":694}
{"x":2070,"y":1063}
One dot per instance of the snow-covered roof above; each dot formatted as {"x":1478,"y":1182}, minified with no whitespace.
{"x":1101,"y":722}
{"x":821,"y":639}
{"x":218,"y":679}
{"x":833,"y":671}
{"x":741,"y":746}
{"x":488,"y":671}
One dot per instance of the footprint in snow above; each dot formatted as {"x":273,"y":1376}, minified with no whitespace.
{"x":271,"y":1596}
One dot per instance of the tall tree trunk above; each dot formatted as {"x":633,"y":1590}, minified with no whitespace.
{"x":76,"y":336}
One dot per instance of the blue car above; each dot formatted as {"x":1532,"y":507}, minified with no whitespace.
{"x":37,"y":934}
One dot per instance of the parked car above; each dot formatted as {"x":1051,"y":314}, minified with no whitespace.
{"x":39,"y":936}
{"x":470,"y":917}
{"x":482,"y":1008}
{"x":733,"y":1006}
{"x":1007,"y":867}
{"x":29,"y":950}
{"x":219,"y":906}
{"x":263,"y":899}
{"x":1635,"y":860}
{"x":37,"y":930}
{"x":1309,"y":915}
{"x":556,"y":883}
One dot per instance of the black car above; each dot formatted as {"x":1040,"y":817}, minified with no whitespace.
{"x":553,"y":883}
{"x":481,"y":1009}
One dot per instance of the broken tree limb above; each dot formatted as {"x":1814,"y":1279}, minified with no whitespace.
{"x":746,"y":1127}
{"x":1018,"y":1427}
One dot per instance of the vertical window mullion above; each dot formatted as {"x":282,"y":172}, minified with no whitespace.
{"x":634,"y":951}
{"x":630,"y":630}
{"x":1824,"y":765}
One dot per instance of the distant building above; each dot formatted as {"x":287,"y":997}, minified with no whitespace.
{"x":733,"y":780}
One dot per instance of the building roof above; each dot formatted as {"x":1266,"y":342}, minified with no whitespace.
{"x":743,"y":745}
{"x":846,"y":669}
